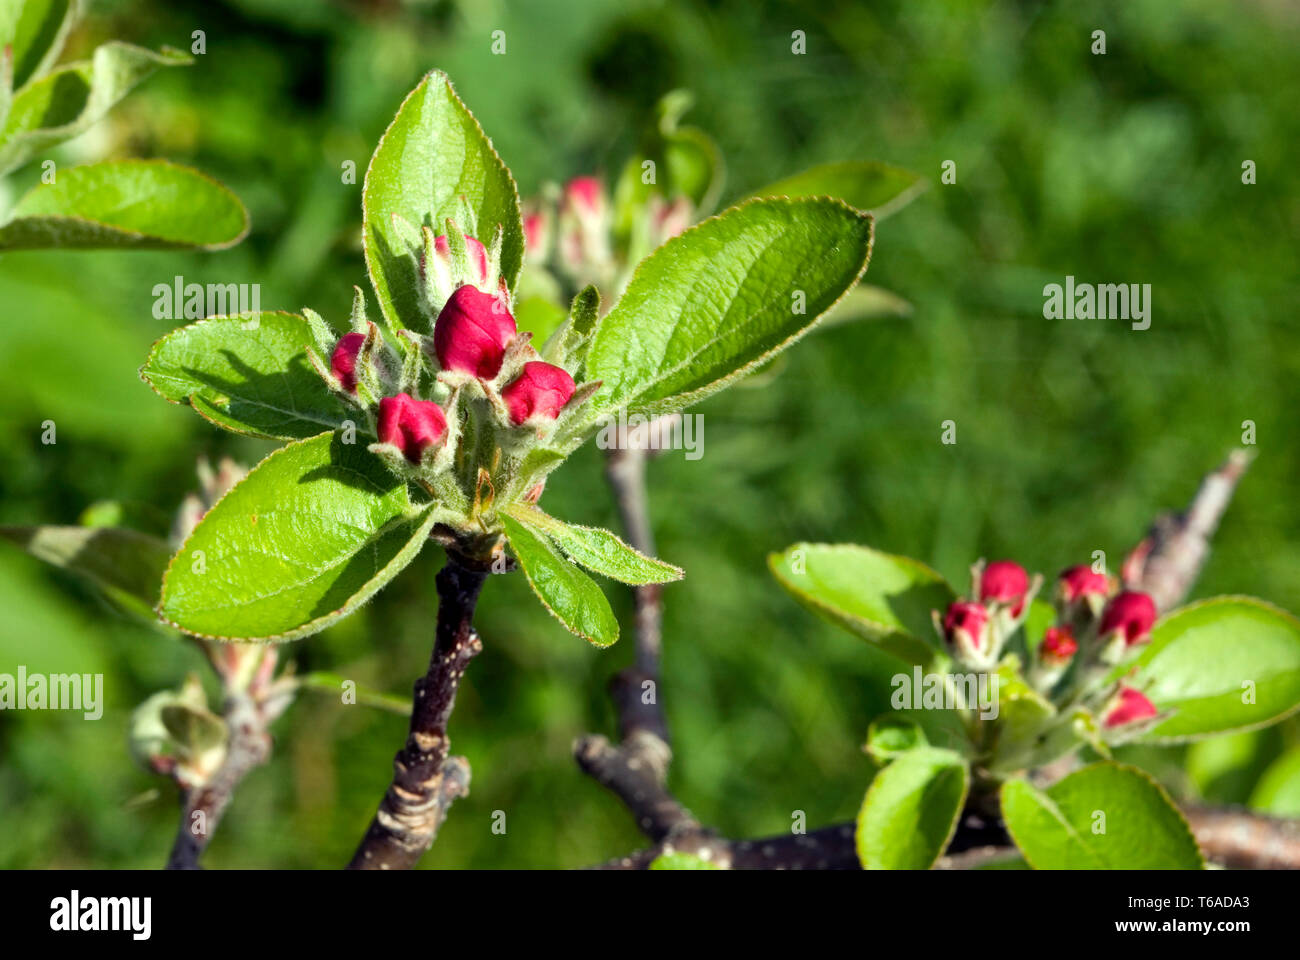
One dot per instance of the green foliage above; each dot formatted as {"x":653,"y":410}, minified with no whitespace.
{"x":876,"y":188}
{"x":681,"y":861}
{"x":1104,"y":817}
{"x":911,"y":810}
{"x":130,"y":204}
{"x":310,"y":535}
{"x":247,"y":373}
{"x":434,"y":154}
{"x":597,"y":550}
{"x":568,"y":594}
{"x":718,"y":300}
{"x":882,"y":598}
{"x":1230,"y":663}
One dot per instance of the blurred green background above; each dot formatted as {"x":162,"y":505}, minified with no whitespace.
{"x":1071,"y":434}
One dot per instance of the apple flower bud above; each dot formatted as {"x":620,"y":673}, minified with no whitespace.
{"x":1005,"y":582}
{"x":343,"y":362}
{"x":537,"y":235}
{"x":1129,"y":705}
{"x":1082,"y":581}
{"x":540,"y":392}
{"x":1130,"y":615}
{"x":667,"y":220}
{"x":478,"y":255}
{"x":1058,"y":647}
{"x":411,"y":425}
{"x":585,"y":196}
{"x":966,"y":630}
{"x":472,"y":333}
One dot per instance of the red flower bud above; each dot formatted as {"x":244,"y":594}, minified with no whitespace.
{"x":537,"y":234}
{"x":541,"y":390}
{"x":478,"y":256}
{"x":343,"y":362}
{"x":472,"y":332}
{"x":411,"y":425}
{"x":968,"y":619}
{"x":584,"y":194}
{"x":1129,"y":706}
{"x":1058,"y":646}
{"x":1082,"y":581}
{"x":1005,"y":582}
{"x":1131,"y":614}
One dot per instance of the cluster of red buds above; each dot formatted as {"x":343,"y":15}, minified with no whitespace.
{"x":474,"y":375}
{"x":576,"y":231}
{"x":1096,"y":629}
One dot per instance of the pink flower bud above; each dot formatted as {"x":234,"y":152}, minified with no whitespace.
{"x":585,"y":195}
{"x":1131,"y":614}
{"x":965,"y":622}
{"x":478,"y":256}
{"x":537,"y":235}
{"x":472,"y":333}
{"x":1058,"y":646}
{"x":411,"y":425}
{"x":1082,"y":581}
{"x":541,"y":391}
{"x":343,"y":362}
{"x":1005,"y":582}
{"x":1128,"y":706}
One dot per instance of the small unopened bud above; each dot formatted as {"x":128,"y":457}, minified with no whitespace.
{"x":478,"y":255}
{"x":411,"y":425}
{"x":966,"y":630}
{"x":343,"y":362}
{"x":1005,"y":582}
{"x":472,"y":333}
{"x":1130,"y":615}
{"x":1129,"y":705}
{"x":540,"y":392}
{"x":1080,"y":582}
{"x":1058,"y":647}
{"x":537,"y":235}
{"x":585,"y":196}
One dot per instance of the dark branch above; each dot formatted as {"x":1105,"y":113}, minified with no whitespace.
{"x":425,"y":779}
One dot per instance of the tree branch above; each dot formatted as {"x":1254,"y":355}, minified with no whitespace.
{"x":202,"y":807}
{"x":1168,"y":560}
{"x":425,"y":780}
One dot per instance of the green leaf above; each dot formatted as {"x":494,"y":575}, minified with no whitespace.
{"x":570,"y":595}
{"x":194,"y":729}
{"x":118,"y":559}
{"x":1278,"y":790}
{"x":313,"y":532}
{"x":1104,"y":817}
{"x":911,"y":810}
{"x":36,"y":30}
{"x":1206,"y":660}
{"x":877,"y":596}
{"x":128,"y":204}
{"x":596,"y":549}
{"x":889,"y":736}
{"x":433,"y":154}
{"x":681,"y":861}
{"x":875,"y":187}
{"x":69,"y":100}
{"x":714,"y":303}
{"x":249,"y":374}
{"x":866,"y":302}
{"x":540,"y":317}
